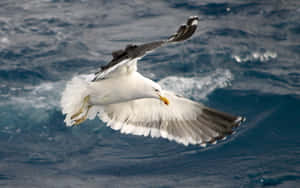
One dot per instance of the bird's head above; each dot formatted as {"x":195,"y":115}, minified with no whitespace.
{"x":158,"y":93}
{"x":151,"y":89}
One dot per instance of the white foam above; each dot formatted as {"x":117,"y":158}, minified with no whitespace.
{"x":4,"y":40}
{"x":197,"y":87}
{"x":47,"y":95}
{"x":44,"y":96}
{"x":262,"y":57}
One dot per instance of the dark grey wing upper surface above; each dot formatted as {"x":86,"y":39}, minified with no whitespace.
{"x":131,"y":52}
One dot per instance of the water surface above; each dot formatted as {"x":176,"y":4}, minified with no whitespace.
{"x":243,"y":59}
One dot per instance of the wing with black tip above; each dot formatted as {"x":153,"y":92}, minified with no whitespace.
{"x":124,"y":61}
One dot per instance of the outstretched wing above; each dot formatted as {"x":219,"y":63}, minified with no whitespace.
{"x":183,"y":120}
{"x":124,"y":61}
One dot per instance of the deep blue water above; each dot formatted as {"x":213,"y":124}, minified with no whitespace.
{"x":244,"y":59}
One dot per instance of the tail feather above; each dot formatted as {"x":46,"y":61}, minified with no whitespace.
{"x":72,"y":97}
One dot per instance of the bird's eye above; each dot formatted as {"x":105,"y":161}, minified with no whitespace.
{"x":156,"y":90}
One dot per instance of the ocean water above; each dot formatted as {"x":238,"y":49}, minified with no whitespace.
{"x":244,"y":59}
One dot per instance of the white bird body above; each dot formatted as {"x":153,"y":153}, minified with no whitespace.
{"x":133,"y":104}
{"x":130,"y":86}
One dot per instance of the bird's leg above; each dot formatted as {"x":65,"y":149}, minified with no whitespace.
{"x":83,"y":118}
{"x":85,"y":102}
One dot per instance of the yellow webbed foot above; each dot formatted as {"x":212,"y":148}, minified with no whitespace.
{"x":80,"y":120}
{"x":85,"y":102}
{"x":83,"y":118}
{"x":76,"y":114}
{"x":85,"y":107}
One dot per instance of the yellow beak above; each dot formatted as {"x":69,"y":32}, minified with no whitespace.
{"x":164,"y":99}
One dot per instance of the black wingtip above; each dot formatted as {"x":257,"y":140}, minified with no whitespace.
{"x":185,"y":31}
{"x":239,"y":120}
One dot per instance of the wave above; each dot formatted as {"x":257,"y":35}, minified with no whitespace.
{"x":255,"y":56}
{"x":45,"y":95}
{"x":197,"y":87}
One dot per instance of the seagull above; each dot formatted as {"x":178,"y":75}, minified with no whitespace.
{"x":133,"y":104}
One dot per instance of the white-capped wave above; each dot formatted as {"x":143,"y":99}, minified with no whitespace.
{"x":197,"y":87}
{"x":45,"y":96}
{"x":4,"y":40}
{"x":262,"y":57}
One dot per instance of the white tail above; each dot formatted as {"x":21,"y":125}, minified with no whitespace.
{"x":73,"y":100}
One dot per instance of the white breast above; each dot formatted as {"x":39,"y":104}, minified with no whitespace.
{"x":118,"y":89}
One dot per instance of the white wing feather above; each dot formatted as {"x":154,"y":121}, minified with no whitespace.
{"x":183,"y":120}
